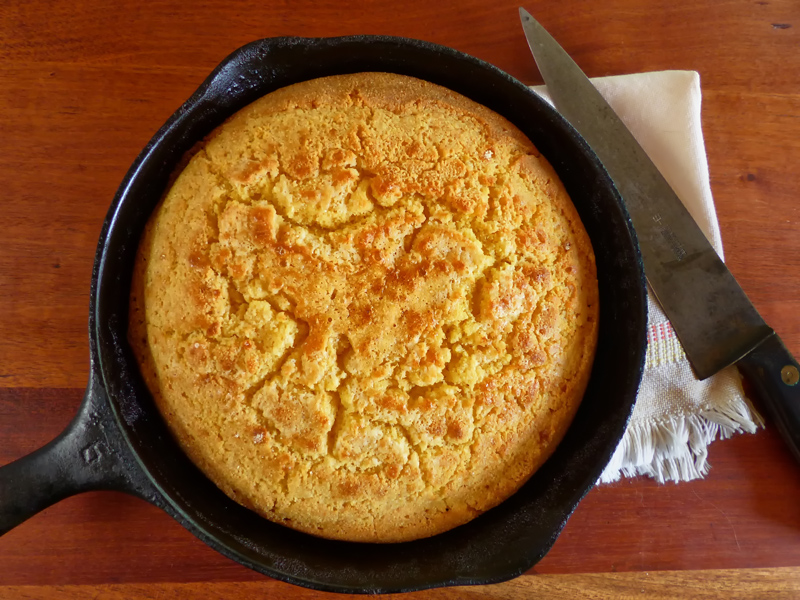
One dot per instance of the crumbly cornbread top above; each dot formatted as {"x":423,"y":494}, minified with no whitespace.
{"x":366,"y":308}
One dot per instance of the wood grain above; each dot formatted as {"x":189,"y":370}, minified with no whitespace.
{"x":743,"y":516}
{"x":776,"y":584}
{"x":83,"y":86}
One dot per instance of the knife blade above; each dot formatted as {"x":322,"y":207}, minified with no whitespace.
{"x":713,"y":318}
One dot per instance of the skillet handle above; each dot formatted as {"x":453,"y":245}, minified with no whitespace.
{"x":87,"y":455}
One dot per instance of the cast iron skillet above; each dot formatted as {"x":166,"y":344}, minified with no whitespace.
{"x":118,"y":440}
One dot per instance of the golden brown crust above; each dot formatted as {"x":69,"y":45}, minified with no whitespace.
{"x":366,"y":308}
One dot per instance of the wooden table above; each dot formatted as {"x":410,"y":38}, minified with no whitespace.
{"x":83,"y":86}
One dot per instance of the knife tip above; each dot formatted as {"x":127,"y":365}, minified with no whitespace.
{"x":525,"y":17}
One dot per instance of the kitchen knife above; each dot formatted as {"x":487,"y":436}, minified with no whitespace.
{"x":713,"y":318}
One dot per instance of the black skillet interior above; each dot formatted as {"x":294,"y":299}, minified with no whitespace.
{"x":500,"y":544}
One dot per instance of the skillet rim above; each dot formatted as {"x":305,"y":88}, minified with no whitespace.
{"x":105,"y":362}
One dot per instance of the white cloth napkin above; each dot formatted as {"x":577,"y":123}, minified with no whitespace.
{"x":675,"y":416}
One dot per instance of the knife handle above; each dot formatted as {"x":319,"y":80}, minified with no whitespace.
{"x":775,"y":376}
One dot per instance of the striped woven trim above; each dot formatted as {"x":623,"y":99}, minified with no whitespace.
{"x":663,"y":347}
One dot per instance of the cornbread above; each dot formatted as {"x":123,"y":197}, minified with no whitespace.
{"x":366,"y":308}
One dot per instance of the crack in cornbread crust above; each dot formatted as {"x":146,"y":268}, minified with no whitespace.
{"x":366,"y":308}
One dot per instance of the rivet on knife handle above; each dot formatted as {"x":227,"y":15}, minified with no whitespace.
{"x":790,"y":375}
{"x":774,"y":375}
